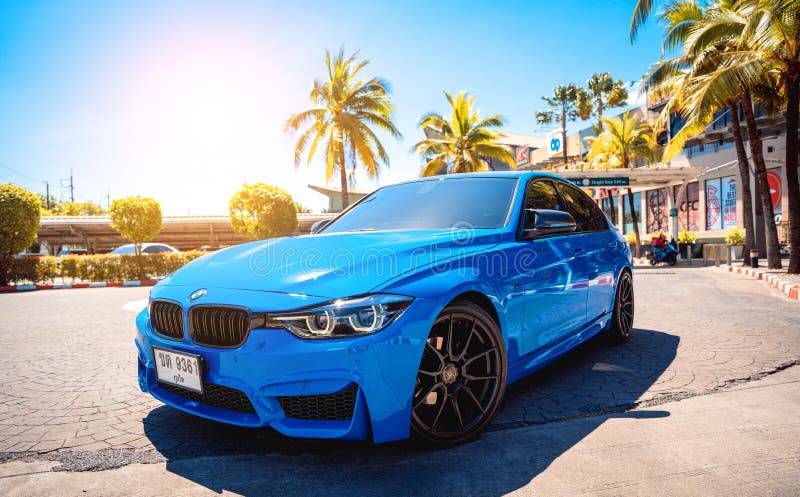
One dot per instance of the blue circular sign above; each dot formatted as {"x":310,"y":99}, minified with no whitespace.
{"x":555,"y":144}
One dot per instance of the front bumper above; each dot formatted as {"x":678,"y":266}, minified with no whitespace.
{"x":273,"y":363}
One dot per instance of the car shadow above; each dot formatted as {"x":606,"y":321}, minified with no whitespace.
{"x":591,"y":384}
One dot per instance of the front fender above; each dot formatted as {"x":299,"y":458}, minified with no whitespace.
{"x":481,"y":273}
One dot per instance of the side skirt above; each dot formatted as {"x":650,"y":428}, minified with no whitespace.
{"x":545,"y":355}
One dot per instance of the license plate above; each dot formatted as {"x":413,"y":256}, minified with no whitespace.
{"x":181,"y":370}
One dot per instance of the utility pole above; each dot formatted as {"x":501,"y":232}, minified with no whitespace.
{"x":71,"y":187}
{"x":47,"y":195}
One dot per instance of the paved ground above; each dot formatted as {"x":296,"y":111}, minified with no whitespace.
{"x":739,"y":442}
{"x":68,"y":377}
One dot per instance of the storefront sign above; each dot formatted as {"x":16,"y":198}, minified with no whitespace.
{"x":776,"y":191}
{"x":657,"y":210}
{"x":522,"y":155}
{"x":554,"y":144}
{"x":593,"y":182}
{"x":729,"y":201}
{"x":713,"y":205}
{"x":689,"y":209}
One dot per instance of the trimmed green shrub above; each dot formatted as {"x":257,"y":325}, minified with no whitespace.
{"x":104,"y":267}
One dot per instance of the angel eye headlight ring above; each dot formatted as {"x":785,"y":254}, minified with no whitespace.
{"x":354,"y":316}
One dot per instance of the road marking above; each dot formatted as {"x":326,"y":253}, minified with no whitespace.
{"x":135,"y":306}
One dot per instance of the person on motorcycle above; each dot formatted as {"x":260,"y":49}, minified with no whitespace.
{"x":659,"y":245}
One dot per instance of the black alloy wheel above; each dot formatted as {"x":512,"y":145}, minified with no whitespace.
{"x":622,"y":317}
{"x":462,"y":376}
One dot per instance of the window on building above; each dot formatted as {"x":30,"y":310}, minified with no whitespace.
{"x":689,"y":208}
{"x":628,"y":217}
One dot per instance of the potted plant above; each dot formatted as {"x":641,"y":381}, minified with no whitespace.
{"x":735,"y":238}
{"x":686,"y":239}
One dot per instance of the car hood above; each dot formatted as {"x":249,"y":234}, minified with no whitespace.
{"x":328,"y":265}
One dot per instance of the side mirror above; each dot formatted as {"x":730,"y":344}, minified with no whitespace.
{"x":544,"y":222}
{"x":317,"y":227}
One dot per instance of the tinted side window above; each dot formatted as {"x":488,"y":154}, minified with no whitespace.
{"x":152,"y":249}
{"x":587,"y":215}
{"x":540,"y":195}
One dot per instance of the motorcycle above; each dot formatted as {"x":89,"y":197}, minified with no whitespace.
{"x":667,"y":254}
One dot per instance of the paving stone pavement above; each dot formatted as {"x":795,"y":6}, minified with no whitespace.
{"x":68,"y":367}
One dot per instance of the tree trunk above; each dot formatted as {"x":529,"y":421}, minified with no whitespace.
{"x":744,"y":173}
{"x":345,"y":194}
{"x":600,"y":114}
{"x":792,"y":184}
{"x":564,"y":134}
{"x":137,"y":250}
{"x":343,"y":168}
{"x":635,"y":219}
{"x":757,"y":152}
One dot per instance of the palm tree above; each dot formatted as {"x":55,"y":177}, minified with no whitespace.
{"x":345,"y":109}
{"x":565,"y":101}
{"x":641,"y":12}
{"x":674,"y":77}
{"x":605,"y":93}
{"x":463,"y":143}
{"x":622,"y":141}
{"x":728,"y":67}
{"x":765,"y":40}
{"x":768,"y":35}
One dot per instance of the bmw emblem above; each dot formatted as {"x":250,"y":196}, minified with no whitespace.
{"x":197,"y":294}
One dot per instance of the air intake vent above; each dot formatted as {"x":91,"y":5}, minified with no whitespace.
{"x":166,"y":319}
{"x":331,"y":406}
{"x":213,"y":395}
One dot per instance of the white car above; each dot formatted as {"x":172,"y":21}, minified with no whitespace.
{"x":147,"y":248}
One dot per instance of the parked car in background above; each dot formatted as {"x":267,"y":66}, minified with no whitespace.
{"x":408,"y":314}
{"x":147,"y":248}
{"x":72,"y":251}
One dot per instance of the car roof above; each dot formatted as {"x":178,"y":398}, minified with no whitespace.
{"x":487,"y":174}
{"x":147,"y":244}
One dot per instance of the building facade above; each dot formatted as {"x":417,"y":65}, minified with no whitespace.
{"x":708,"y":204}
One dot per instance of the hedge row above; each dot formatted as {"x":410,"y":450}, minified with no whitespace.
{"x":106,"y":267}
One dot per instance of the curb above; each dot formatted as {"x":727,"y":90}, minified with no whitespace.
{"x":64,"y":286}
{"x":791,"y":290}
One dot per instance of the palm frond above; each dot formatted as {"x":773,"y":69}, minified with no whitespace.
{"x":641,"y":12}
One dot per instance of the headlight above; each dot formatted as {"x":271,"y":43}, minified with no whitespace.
{"x":344,"y":317}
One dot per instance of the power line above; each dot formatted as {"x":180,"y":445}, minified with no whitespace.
{"x":21,"y":174}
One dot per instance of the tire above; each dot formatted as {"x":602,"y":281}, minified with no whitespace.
{"x":672,"y":259}
{"x":462,"y":376}
{"x":622,"y":316}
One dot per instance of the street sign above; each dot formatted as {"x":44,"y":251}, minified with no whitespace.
{"x":592,"y":182}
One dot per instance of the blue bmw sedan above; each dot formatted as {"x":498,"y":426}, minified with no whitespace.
{"x":406,"y":315}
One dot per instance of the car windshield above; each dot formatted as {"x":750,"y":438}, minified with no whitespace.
{"x":470,"y":202}
{"x":125,"y":249}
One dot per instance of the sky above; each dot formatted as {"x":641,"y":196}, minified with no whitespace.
{"x":185,"y":101}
